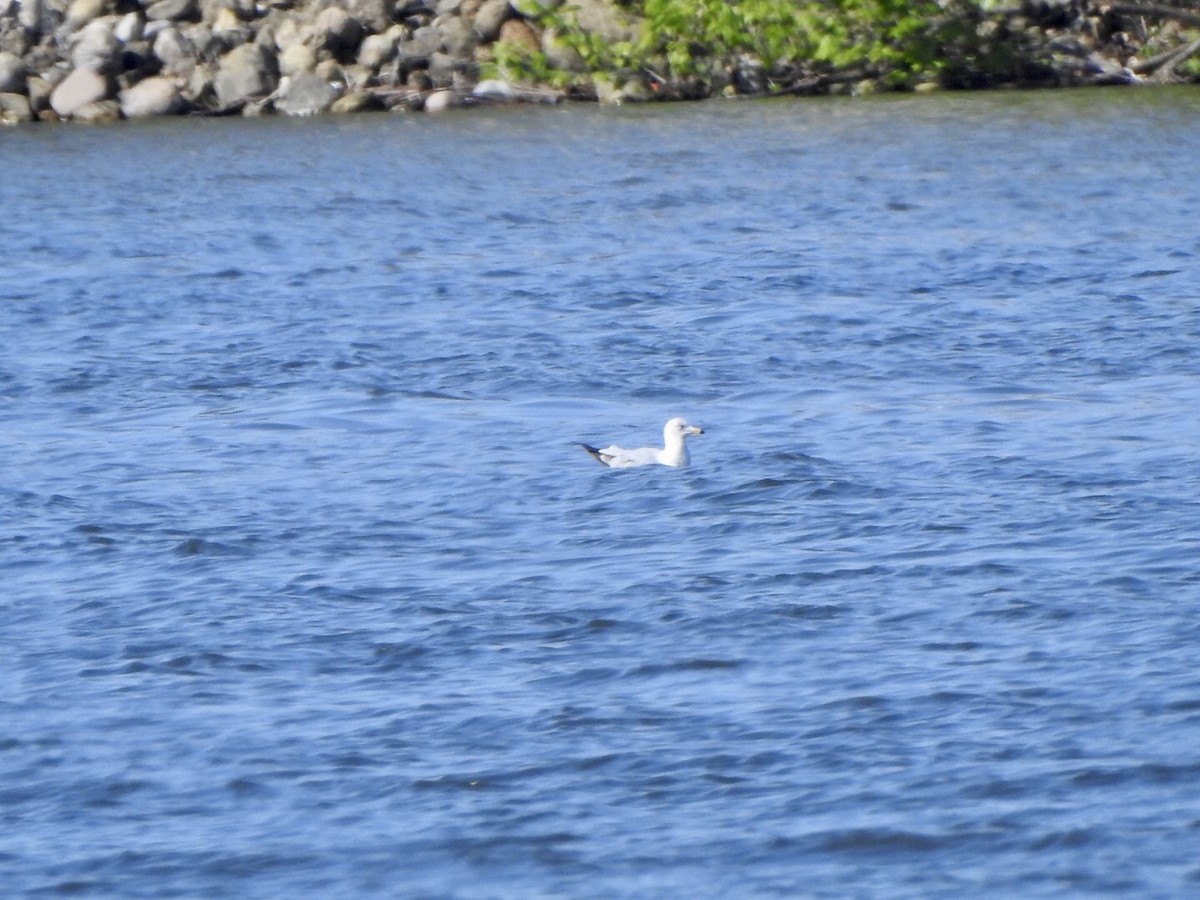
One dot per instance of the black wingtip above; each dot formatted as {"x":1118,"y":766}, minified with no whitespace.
{"x":593,"y":452}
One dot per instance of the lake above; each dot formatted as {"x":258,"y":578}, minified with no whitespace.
{"x":308,"y":588}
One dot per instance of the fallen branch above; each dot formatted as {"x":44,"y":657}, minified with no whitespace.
{"x":1163,"y":65}
{"x":1156,"y":11}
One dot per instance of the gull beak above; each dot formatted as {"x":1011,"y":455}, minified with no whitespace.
{"x":693,"y":429}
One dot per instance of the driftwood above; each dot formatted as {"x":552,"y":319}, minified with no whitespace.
{"x":1162,"y":66}
{"x":1157,"y":11}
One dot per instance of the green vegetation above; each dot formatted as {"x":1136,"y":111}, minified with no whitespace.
{"x":697,"y":48}
{"x":704,"y":46}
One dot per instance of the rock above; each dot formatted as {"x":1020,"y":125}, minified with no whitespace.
{"x":15,"y":108}
{"x":244,"y":72}
{"x":174,"y":11}
{"x":198,"y":89}
{"x":356,"y":101}
{"x":329,"y":70}
{"x":376,"y":50}
{"x":205,"y":44}
{"x":534,"y":7}
{"x":129,"y":28}
{"x":297,"y":58}
{"x":490,"y":17}
{"x":305,"y":94}
{"x":286,"y":33}
{"x":457,"y":37}
{"x":39,"y":93}
{"x":226,"y":20}
{"x":96,"y":48}
{"x":495,"y":90}
{"x":30,"y":14}
{"x":559,"y":55}
{"x":1102,"y":71}
{"x":16,"y":41}
{"x":245,"y":10}
{"x":440,"y":101}
{"x":630,"y":91}
{"x":519,"y":34}
{"x":415,"y":51}
{"x":604,"y":19}
{"x":354,"y":76}
{"x":155,"y":96}
{"x":443,"y":70}
{"x":80,"y":12}
{"x":98,"y":112}
{"x":81,"y":87}
{"x":54,"y":75}
{"x":338,"y":32}
{"x":137,"y":62}
{"x":749,"y":76}
{"x":375,"y":16}
{"x":418,"y":80}
{"x":174,"y":51}
{"x":12,"y":74}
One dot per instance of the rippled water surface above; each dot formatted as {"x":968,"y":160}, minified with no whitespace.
{"x":307,"y":591}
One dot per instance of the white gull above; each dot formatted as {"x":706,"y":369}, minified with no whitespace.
{"x":673,"y":453}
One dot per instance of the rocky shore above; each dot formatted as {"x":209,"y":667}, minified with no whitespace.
{"x":103,"y":60}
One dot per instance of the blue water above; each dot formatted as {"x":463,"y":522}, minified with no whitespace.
{"x":307,"y":591}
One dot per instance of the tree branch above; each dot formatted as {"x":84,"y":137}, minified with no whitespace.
{"x":1157,"y":11}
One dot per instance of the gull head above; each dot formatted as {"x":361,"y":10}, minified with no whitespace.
{"x":679,"y":427}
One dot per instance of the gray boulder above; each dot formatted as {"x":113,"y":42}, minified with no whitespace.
{"x":198,"y":89}
{"x":174,"y":11}
{"x":458,"y":37}
{"x":489,"y":18}
{"x":15,"y":40}
{"x":559,"y":54}
{"x":30,"y":14}
{"x":81,"y":87}
{"x":129,"y":28}
{"x":244,"y":72}
{"x":442,"y":69}
{"x":354,"y":102}
{"x":441,"y":101}
{"x":297,"y":58}
{"x":155,"y":96}
{"x":96,"y":48}
{"x":12,"y":74}
{"x":39,"y":93}
{"x":243,"y":9}
{"x":376,"y":16}
{"x":377,"y":49}
{"x":605,"y":20}
{"x":338,"y":32}
{"x":415,"y":51}
{"x":534,"y":7}
{"x":174,"y":51}
{"x":495,"y":90}
{"x":305,"y":94}
{"x":97,"y":112}
{"x":15,"y":108}
{"x":80,"y":12}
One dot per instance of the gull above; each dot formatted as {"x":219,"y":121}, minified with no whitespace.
{"x":673,"y":453}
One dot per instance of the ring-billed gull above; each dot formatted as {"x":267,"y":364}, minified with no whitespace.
{"x":673,"y":453}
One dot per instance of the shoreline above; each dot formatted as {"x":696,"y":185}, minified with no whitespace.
{"x":106,"y":60}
